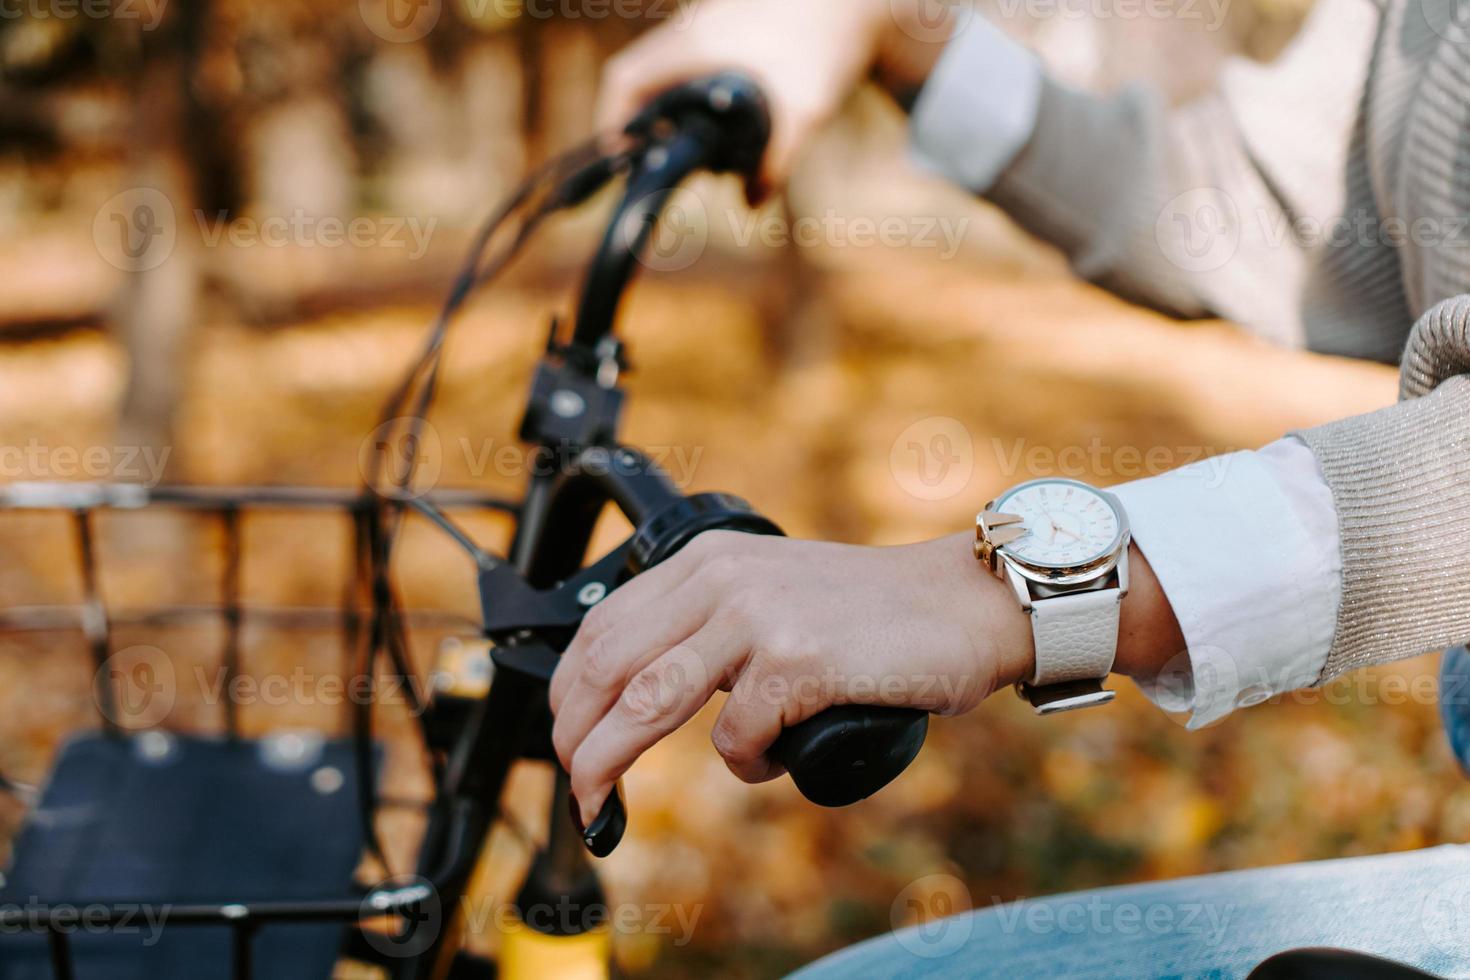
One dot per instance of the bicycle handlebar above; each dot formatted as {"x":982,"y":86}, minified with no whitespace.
{"x":720,"y":124}
{"x":838,"y":756}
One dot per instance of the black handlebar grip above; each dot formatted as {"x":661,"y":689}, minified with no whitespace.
{"x":838,"y":756}
{"x":730,"y":111}
{"x":845,"y":754}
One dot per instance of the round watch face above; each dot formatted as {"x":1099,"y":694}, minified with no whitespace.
{"x":1067,"y":523}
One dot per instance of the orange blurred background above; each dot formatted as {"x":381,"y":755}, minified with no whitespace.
{"x":852,"y":388}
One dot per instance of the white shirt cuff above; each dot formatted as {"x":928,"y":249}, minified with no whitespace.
{"x":1246,"y":549}
{"x":978,"y":107}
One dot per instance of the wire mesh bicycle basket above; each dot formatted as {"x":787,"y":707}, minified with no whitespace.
{"x":201,"y":794}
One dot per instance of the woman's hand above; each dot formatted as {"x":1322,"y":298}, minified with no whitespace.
{"x":807,"y":55}
{"x":788,"y":628}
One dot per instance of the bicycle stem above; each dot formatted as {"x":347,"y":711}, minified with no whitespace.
{"x":658,"y":170}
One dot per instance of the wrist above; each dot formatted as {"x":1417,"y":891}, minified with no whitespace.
{"x":1149,"y":635}
{"x":987,"y":609}
{"x":1081,"y":607}
{"x":1015,"y":647}
{"x":910,"y":38}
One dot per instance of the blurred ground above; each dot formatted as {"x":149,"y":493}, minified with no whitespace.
{"x":857,"y":392}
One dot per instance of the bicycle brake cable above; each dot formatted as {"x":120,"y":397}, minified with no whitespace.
{"x":563,"y":182}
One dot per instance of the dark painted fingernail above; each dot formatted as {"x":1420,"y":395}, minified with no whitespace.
{"x":605,"y":831}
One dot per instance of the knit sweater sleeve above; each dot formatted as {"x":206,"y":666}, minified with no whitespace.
{"x":1400,"y":480}
{"x":1193,"y":210}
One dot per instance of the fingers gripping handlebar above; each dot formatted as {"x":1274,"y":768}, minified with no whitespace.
{"x":837,"y":757}
{"x":840,"y":755}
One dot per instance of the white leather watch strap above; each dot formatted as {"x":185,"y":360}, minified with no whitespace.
{"x":1076,"y":636}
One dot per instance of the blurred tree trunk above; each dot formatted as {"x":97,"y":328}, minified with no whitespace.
{"x":158,"y":306}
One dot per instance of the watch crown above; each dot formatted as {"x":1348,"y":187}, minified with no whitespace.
{"x":994,"y":529}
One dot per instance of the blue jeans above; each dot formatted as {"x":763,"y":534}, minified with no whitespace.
{"x":1454,"y":702}
{"x":1412,"y":907}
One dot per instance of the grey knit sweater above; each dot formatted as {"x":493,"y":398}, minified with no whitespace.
{"x":1324,"y":201}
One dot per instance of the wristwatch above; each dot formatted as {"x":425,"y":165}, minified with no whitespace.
{"x":1063,"y":547}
